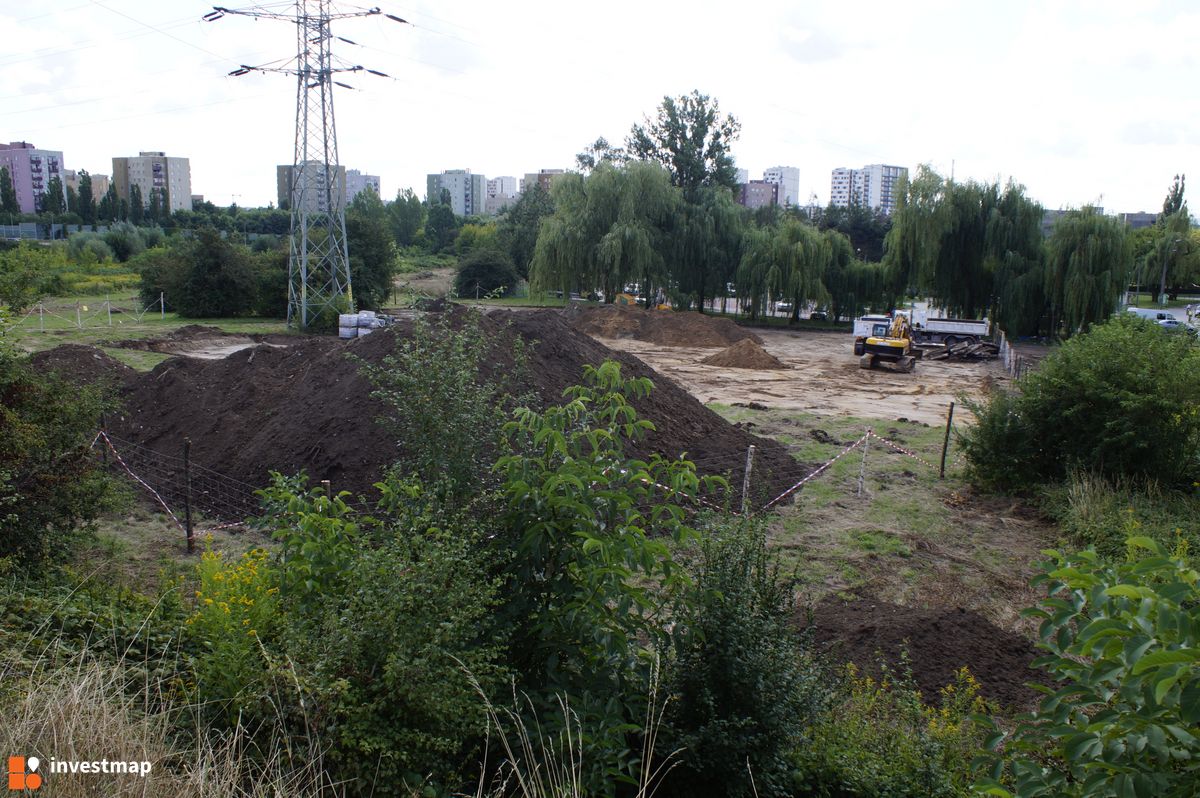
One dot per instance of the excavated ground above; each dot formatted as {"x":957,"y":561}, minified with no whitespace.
{"x":305,"y":406}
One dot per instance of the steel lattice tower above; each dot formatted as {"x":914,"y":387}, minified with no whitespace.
{"x":318,"y":258}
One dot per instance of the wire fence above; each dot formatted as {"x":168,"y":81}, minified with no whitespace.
{"x":82,"y":315}
{"x":187,"y":491}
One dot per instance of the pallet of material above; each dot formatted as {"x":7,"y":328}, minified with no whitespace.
{"x":966,"y":350}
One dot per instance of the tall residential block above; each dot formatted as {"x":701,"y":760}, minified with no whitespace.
{"x":468,"y":192}
{"x":502,"y":187}
{"x":543,"y":177}
{"x":356,"y":181}
{"x":758,"y":194}
{"x":315,"y":193}
{"x":788,"y":180}
{"x":154,"y":171}
{"x":875,"y":186}
{"x":31,"y":171}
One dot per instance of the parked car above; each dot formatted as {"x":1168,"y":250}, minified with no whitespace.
{"x":819,"y":315}
{"x":783,"y":307}
{"x":1176,"y":324}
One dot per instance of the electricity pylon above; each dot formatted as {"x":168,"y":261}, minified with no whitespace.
{"x":318,"y":258}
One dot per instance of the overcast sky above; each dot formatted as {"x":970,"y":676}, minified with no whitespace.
{"x":1081,"y":102}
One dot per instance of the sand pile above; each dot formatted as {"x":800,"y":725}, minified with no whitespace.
{"x":306,"y":407}
{"x":662,"y":327}
{"x":745,"y":354}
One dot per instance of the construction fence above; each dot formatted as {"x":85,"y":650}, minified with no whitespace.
{"x":84,"y":315}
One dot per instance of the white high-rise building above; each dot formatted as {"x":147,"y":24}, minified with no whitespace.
{"x":788,"y":180}
{"x":468,"y":192}
{"x":502,"y":186}
{"x":743,"y":176}
{"x":356,"y":181}
{"x":874,"y":186}
{"x":155,"y":172}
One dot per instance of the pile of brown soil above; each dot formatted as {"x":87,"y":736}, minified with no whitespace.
{"x":938,"y":641}
{"x":745,"y":354}
{"x":86,"y":365}
{"x":198,"y":337}
{"x":305,"y":406}
{"x":662,"y":327}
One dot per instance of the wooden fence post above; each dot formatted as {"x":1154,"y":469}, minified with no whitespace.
{"x":746,"y":480}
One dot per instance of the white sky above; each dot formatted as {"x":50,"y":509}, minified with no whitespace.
{"x":1082,"y":102}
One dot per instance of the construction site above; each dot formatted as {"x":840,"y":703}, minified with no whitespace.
{"x":844,"y":461}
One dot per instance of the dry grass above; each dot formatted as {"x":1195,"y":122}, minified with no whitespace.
{"x":88,"y":711}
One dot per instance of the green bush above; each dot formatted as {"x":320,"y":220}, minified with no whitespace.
{"x":1123,"y":640}
{"x":124,"y":240}
{"x":742,"y":689}
{"x":88,"y":248}
{"x":203,"y":277}
{"x":879,"y":739}
{"x":485,"y":272}
{"x":1119,"y":400}
{"x":50,"y":480}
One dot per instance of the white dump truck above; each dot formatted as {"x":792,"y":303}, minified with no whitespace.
{"x":932,"y":330}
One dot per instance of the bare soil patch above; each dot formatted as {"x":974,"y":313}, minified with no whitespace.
{"x":661,"y":327}
{"x":199,"y":341}
{"x":938,"y":641}
{"x":822,"y":376}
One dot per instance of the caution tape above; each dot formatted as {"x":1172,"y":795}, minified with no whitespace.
{"x":815,"y":473}
{"x":902,"y":450}
{"x":139,"y":480}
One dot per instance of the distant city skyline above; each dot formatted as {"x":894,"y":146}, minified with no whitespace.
{"x":1081,"y":103}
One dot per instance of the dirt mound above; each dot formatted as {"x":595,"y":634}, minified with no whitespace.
{"x":939,"y":642}
{"x":198,"y":340}
{"x":745,"y":354}
{"x":662,"y":327}
{"x":84,"y":364}
{"x":306,"y":407}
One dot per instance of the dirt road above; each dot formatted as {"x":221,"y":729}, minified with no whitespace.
{"x":823,"y":378}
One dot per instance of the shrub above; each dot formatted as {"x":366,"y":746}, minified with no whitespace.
{"x":741,"y":688}
{"x":878,"y":739}
{"x":50,"y":481}
{"x":206,"y":277}
{"x":1120,"y":400}
{"x":1124,"y":641}
{"x":485,"y":272}
{"x":88,"y":248}
{"x":124,"y":240}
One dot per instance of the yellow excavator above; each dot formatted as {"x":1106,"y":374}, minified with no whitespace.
{"x":888,"y":343}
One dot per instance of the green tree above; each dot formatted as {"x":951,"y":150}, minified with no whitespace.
{"x":866,"y":228}
{"x":473,"y":236}
{"x":706,"y":245}
{"x":219,"y":280}
{"x":1122,"y":644}
{"x":758,"y":272}
{"x":49,"y":479}
{"x":372,"y":249}
{"x":407,"y":214}
{"x":1088,"y":265}
{"x":607,"y":230}
{"x":598,"y":152}
{"x":483,"y":272}
{"x":87,"y":201}
{"x":1118,"y":399}
{"x":137,"y":211}
{"x":109,"y":208}
{"x":54,"y":201}
{"x":691,"y":140}
{"x":519,"y":226}
{"x":72,"y":200}
{"x":441,"y":227}
{"x":8,"y":193}
{"x":1174,"y":202}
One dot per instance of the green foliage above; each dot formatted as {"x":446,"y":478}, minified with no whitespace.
{"x":54,"y":201}
{"x":607,"y":230}
{"x":485,"y":272}
{"x":406,"y":214}
{"x":207,"y":276}
{"x":1174,"y":202}
{"x":445,"y":405}
{"x":49,"y":479}
{"x":1119,"y":400}
{"x":441,"y":227}
{"x":124,"y":240}
{"x":372,"y":250}
{"x":691,"y":140}
{"x":27,"y":273}
{"x":879,"y":739}
{"x":866,"y":228}
{"x":472,"y":237}
{"x":742,"y":689}
{"x":87,"y":201}
{"x":589,"y":529}
{"x":8,"y":193}
{"x":1088,"y":265}
{"x":706,"y":240}
{"x":1102,"y":513}
{"x":89,"y":249}
{"x":519,"y":226}
{"x":237,"y":605}
{"x":1124,"y":641}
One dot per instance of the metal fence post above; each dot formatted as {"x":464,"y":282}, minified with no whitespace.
{"x":187,"y":493}
{"x":746,"y":480}
{"x":946,"y":441}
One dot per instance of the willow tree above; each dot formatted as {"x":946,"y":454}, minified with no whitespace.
{"x":608,"y":229}
{"x":1088,"y":262}
{"x":1015,"y":249}
{"x":707,"y":244}
{"x":802,"y":255}
{"x":854,"y":285}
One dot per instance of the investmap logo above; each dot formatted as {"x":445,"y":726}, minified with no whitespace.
{"x":24,"y":772}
